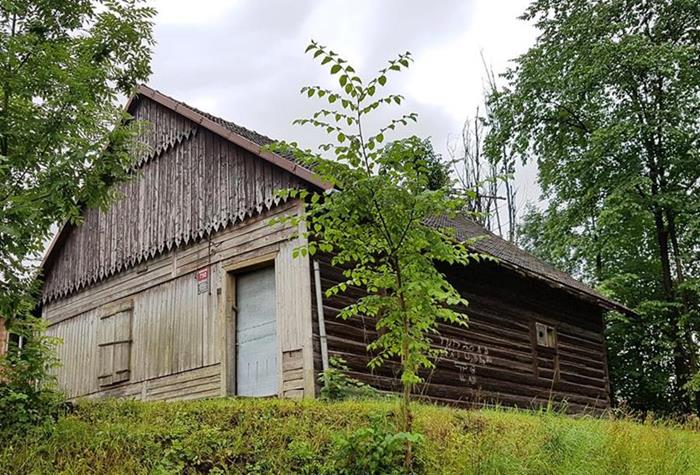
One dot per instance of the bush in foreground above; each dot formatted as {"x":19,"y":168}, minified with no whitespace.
{"x":314,"y":437}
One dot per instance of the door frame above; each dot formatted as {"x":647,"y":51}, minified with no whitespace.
{"x":229,"y":318}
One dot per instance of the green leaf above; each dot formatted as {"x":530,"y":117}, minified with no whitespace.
{"x":383,"y":183}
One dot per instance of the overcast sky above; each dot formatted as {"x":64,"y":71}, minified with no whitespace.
{"x":244,"y":60}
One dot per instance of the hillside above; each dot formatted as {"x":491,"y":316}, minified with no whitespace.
{"x":281,"y":436}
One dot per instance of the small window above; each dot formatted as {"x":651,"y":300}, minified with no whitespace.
{"x":114,"y":346}
{"x":546,"y":335}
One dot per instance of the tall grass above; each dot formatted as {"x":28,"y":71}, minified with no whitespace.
{"x":279,"y":436}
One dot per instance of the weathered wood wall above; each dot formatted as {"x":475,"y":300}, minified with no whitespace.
{"x":178,"y":335}
{"x":496,"y":359}
{"x":192,"y":183}
{"x":201,"y":202}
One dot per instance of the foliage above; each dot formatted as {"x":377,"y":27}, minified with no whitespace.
{"x":693,"y":386}
{"x":373,"y":220}
{"x":606,"y":101}
{"x":63,"y":143}
{"x":423,"y":155}
{"x":28,"y":395}
{"x":374,"y":450}
{"x":283,"y":436}
{"x":336,"y":385}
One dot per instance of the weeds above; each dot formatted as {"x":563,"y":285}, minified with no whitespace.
{"x":316,"y":437}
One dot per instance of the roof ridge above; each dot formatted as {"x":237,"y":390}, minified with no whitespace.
{"x":216,"y":118}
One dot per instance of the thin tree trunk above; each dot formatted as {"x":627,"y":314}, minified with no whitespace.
{"x":598,"y":255}
{"x":686,"y":336}
{"x":662,"y":241}
{"x":406,"y":416}
{"x":681,"y":363}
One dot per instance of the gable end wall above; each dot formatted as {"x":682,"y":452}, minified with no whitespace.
{"x":190,"y":184}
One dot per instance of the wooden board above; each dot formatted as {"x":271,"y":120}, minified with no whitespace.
{"x":190,"y":185}
{"x":176,"y":327}
{"x":495,"y":359}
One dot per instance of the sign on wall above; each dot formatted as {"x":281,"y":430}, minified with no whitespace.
{"x":202,"y":277}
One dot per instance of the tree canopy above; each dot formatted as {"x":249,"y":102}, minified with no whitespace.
{"x":64,"y":142}
{"x":63,"y":139}
{"x":607,"y":102}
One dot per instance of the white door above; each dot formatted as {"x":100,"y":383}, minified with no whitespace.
{"x":256,"y":333}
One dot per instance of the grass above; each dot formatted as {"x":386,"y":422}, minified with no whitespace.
{"x":281,"y":436}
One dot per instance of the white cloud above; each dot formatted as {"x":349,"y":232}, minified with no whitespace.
{"x":244,"y":60}
{"x":183,"y":12}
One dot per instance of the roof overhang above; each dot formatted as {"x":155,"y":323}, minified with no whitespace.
{"x":309,"y":177}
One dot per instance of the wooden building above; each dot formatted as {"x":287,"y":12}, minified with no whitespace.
{"x":183,"y":289}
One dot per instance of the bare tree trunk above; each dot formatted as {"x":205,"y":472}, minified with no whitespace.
{"x":681,"y":358}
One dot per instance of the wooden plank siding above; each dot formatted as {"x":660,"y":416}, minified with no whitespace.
{"x":176,"y":330}
{"x":190,"y":184}
{"x":495,"y":360}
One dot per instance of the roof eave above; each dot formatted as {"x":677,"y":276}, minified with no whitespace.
{"x":592,"y":297}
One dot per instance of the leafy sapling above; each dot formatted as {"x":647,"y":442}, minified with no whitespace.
{"x":371,"y":219}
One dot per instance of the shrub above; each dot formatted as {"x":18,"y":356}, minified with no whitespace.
{"x":28,"y":394}
{"x":336,"y":385}
{"x":375,"y":450}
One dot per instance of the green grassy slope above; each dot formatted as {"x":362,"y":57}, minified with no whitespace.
{"x":277,"y":436}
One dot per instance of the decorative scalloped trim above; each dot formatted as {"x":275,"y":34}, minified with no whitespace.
{"x":196,"y":235}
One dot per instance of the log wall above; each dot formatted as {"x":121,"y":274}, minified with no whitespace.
{"x":496,"y":359}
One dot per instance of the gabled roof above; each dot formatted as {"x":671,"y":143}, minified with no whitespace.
{"x":507,"y":254}
{"x":241,"y":136}
{"x":245,"y":138}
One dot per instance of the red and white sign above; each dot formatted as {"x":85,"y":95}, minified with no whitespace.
{"x":202,"y":274}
